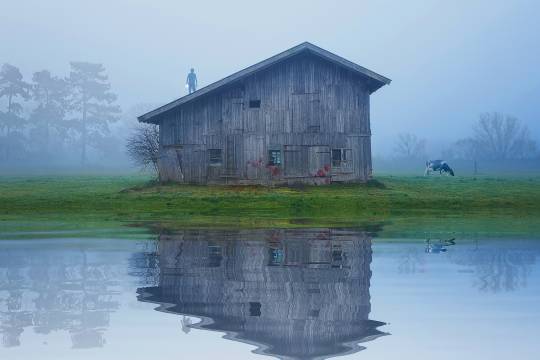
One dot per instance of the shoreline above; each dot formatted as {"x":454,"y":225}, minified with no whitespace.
{"x":393,"y":202}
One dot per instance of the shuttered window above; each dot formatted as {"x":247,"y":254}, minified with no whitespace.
{"x":341,"y":158}
{"x":274,"y":157}
{"x":215,"y":157}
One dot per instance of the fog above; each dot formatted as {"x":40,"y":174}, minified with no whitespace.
{"x":449,"y":61}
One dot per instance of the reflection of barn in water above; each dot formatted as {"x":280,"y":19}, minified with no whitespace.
{"x":293,"y":293}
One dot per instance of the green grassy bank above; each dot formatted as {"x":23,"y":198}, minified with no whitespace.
{"x":391,"y":203}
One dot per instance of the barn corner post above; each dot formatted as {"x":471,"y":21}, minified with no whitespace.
{"x":301,"y":116}
{"x":160,"y":167}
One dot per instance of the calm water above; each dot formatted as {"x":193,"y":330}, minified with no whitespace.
{"x":288,"y":294}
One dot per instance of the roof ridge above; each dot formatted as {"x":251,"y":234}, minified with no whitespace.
{"x":306,"y":45}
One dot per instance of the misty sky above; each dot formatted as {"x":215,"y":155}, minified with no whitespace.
{"x":449,"y":60}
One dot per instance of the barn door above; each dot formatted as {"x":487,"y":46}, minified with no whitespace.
{"x":295,"y":160}
{"x":230,"y":154}
{"x":170,"y":164}
{"x":180,"y":163}
{"x":233,"y":147}
{"x":319,"y":161}
{"x":254,"y":155}
{"x":198,"y":160}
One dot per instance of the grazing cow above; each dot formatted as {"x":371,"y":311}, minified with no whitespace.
{"x":438,"y":165}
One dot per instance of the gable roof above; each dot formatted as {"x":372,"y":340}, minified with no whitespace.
{"x":378,"y":80}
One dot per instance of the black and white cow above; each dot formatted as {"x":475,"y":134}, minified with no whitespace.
{"x":438,"y":165}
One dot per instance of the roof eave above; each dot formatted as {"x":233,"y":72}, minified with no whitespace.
{"x":152,"y":116}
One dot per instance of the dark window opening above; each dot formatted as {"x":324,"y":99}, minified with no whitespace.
{"x":336,"y":157}
{"x":341,"y":157}
{"x":276,"y":257}
{"x":254,"y":309}
{"x":254,"y":104}
{"x":274,"y":157}
{"x":337,"y":255}
{"x":314,"y":128}
{"x":314,"y":313}
{"x":214,"y":256}
{"x":215,"y":157}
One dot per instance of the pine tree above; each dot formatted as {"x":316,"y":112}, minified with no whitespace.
{"x":12,"y":87}
{"x":50,"y":92}
{"x":92,"y":101}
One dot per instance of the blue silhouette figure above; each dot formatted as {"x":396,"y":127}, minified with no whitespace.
{"x":191,"y":81}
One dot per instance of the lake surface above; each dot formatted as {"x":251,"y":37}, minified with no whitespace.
{"x":287,"y":294}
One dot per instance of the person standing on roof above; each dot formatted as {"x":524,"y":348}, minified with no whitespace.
{"x":191,"y":81}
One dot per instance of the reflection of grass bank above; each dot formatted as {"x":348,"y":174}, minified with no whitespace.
{"x":412,"y":204}
{"x":43,"y":229}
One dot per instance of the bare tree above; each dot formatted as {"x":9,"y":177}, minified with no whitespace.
{"x":500,"y":136}
{"x":124,"y":127}
{"x":143,"y":147}
{"x":497,"y":268}
{"x":410,"y":146}
{"x":463,"y":149}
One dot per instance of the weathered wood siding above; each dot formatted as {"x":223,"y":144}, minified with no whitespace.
{"x":308,"y":107}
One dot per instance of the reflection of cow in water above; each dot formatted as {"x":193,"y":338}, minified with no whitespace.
{"x":438,"y":165}
{"x":437,"y":247}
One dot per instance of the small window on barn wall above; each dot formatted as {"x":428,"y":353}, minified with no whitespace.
{"x":254,"y":309}
{"x":274,"y":157}
{"x":215,"y":157}
{"x":336,"y":157}
{"x":341,"y":157}
{"x":254,"y":104}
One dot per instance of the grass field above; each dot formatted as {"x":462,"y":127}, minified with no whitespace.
{"x":395,"y":204}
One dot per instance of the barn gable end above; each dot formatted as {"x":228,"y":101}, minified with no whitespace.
{"x":299,"y":118}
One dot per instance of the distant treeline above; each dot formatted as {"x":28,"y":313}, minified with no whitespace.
{"x":495,"y":136}
{"x":60,"y":120}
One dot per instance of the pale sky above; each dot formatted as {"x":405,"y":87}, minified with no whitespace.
{"x":449,"y":60}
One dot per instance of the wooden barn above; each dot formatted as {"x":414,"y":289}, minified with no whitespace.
{"x":299,"y":116}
